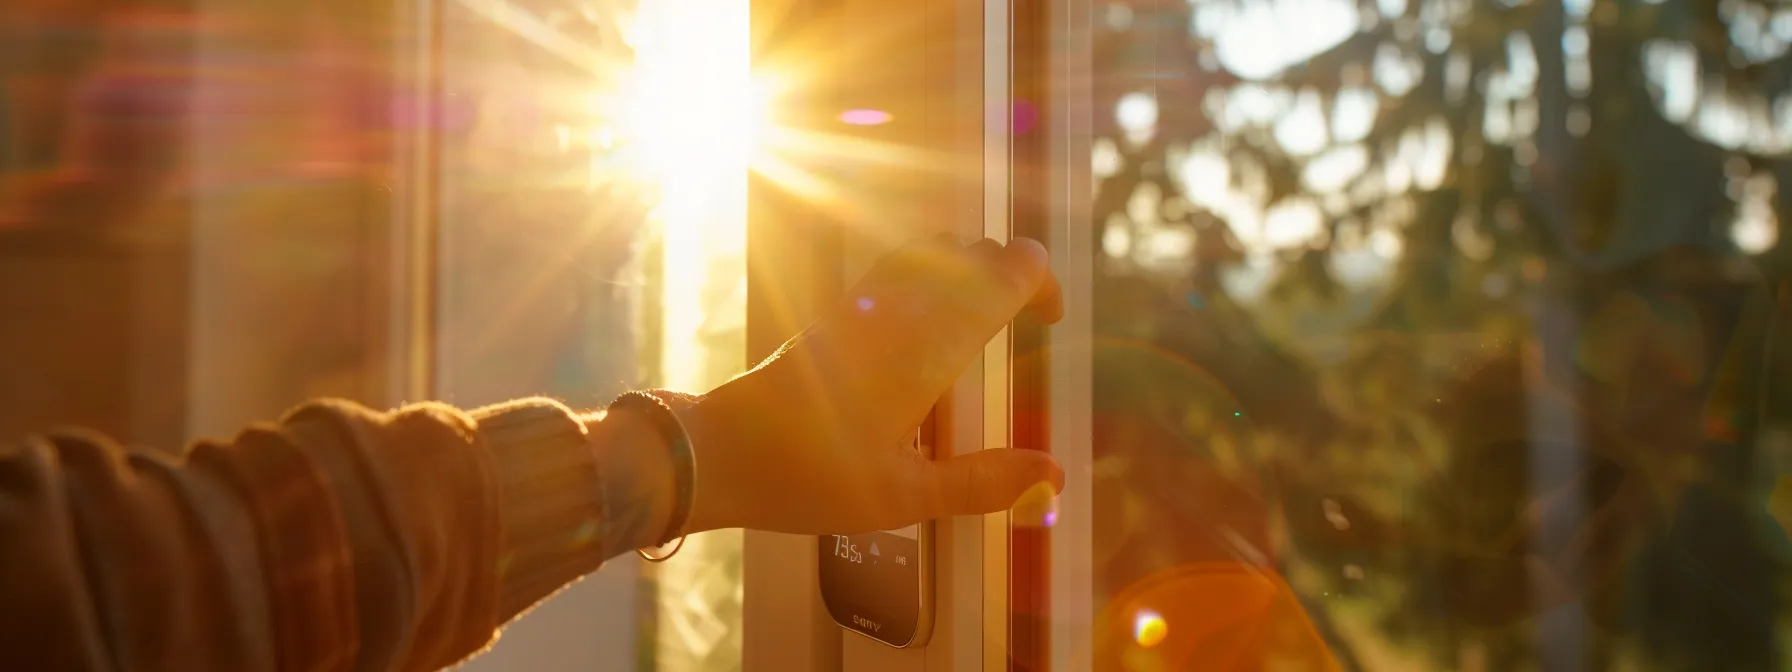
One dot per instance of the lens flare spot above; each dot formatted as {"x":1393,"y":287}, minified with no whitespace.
{"x":865,"y":117}
{"x":1149,"y":628}
{"x":1025,"y":117}
{"x":1334,"y":514}
{"x":865,"y":304}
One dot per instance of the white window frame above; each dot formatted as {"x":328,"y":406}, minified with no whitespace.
{"x":1069,"y":371}
{"x":786,"y":625}
{"x":792,"y":631}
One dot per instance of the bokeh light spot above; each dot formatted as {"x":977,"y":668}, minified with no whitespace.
{"x":1025,"y":117}
{"x":1149,"y":628}
{"x":865,"y":117}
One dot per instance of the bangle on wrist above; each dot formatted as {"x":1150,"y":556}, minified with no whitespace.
{"x":684,"y":464}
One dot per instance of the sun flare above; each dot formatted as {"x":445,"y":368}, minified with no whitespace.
{"x":675,"y":111}
{"x":689,"y":117}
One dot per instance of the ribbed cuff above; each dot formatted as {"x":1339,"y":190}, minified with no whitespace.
{"x":552,"y":506}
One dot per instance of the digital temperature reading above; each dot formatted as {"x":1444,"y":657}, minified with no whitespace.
{"x":844,"y":548}
{"x":851,"y":550}
{"x":878,"y":583}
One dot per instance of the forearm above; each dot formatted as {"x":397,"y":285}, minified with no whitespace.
{"x":396,"y":540}
{"x":565,"y":492}
{"x":592,"y":487}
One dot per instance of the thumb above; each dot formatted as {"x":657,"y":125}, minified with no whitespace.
{"x":987,"y":481}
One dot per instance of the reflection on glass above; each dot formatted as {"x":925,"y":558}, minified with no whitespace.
{"x":1434,"y":335}
{"x":186,"y":245}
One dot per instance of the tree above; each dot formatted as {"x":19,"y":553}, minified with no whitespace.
{"x":1595,"y":155}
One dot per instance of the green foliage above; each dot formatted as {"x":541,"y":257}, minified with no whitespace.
{"x":1490,"y":160}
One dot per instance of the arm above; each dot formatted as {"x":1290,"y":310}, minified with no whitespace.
{"x":343,"y":538}
{"x":392,"y":540}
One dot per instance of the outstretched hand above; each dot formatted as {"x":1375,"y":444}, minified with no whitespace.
{"x":809,"y":441}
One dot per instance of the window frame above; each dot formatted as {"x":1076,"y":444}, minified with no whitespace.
{"x":1060,"y":67}
{"x":973,"y":595}
{"x":795,"y":263}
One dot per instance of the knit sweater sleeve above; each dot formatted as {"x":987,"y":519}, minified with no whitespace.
{"x":339,"y":538}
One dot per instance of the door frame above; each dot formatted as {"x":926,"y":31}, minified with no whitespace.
{"x":795,"y":256}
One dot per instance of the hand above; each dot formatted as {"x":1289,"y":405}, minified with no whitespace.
{"x":809,"y":441}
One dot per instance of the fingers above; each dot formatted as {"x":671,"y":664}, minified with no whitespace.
{"x":1019,"y":278}
{"x":932,"y":305}
{"x":1044,"y":296}
{"x":1004,"y":279}
{"x":919,"y":267}
{"x":1027,"y":265}
{"x":987,"y":481}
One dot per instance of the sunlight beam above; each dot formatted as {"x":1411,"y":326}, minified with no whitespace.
{"x":525,"y":25}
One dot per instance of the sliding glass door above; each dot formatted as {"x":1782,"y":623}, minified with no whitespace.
{"x":1413,"y":335}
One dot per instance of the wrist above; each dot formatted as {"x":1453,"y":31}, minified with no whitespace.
{"x":709,"y":506}
{"x":698,"y":414}
{"x":637,"y":475}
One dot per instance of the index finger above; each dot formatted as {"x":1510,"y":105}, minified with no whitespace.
{"x":1038,"y":293}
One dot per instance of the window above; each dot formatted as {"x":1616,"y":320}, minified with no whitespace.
{"x":591,"y":212}
{"x":208,"y":215}
{"x":1417,"y":335}
{"x":194,"y":245}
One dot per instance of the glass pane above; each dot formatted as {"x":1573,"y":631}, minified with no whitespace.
{"x":188,"y":217}
{"x":1439,"y":335}
{"x":202,"y":223}
{"x":592,"y":214}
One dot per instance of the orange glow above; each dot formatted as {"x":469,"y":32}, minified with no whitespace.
{"x":1149,"y":628}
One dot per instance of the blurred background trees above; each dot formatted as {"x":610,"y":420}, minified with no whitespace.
{"x":1386,"y":230}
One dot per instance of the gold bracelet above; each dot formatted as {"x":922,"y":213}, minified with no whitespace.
{"x":684,"y":464}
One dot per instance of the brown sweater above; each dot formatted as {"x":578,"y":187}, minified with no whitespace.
{"x":339,"y":539}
